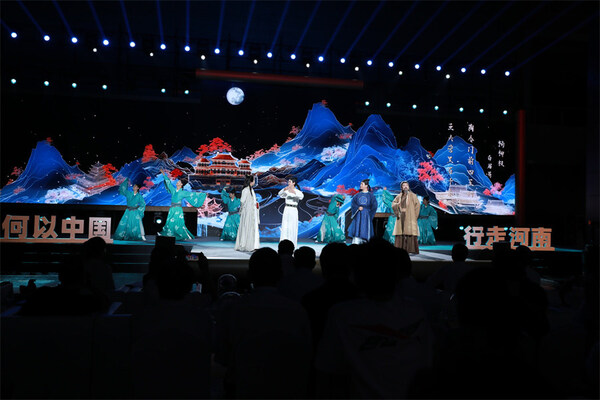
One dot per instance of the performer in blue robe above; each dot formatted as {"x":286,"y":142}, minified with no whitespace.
{"x":363,"y":208}
{"x":427,"y":222}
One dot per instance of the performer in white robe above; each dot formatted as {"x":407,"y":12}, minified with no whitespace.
{"x":247,"y":237}
{"x":289,"y":222}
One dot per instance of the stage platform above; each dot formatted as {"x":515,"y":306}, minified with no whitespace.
{"x":132,"y":257}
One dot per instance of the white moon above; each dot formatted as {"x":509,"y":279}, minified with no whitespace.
{"x":235,"y":96}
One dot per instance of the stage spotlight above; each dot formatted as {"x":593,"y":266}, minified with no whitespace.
{"x":74,"y":85}
{"x":321,"y":59}
{"x":400,"y":72}
{"x":46,"y":83}
{"x":255,"y":61}
{"x":461,"y":109}
{"x":187,"y":48}
{"x":481,"y":111}
{"x":417,"y":66}
{"x":505,"y":112}
{"x":217,"y":50}
{"x":506,"y":73}
{"x":13,"y":35}
{"x":186,"y":91}
{"x":388,"y":105}
{"x":369,"y":62}
{"x":105,"y":42}
{"x":158,"y":220}
{"x":269,"y":55}
{"x":104,"y":87}
{"x":13,"y":81}
{"x":163,"y":90}
{"x":438,"y":68}
{"x":447,"y":76}
{"x":483,"y":71}
{"x":436,"y":108}
{"x":46,"y":38}
{"x":414,"y":106}
{"x":95,"y":50}
{"x":342,"y":60}
{"x":462,"y":228}
{"x":307,"y":65}
{"x":463,"y":70}
{"x":74,"y":39}
{"x":293,"y":56}
{"x":151,"y":54}
{"x":356,"y":68}
{"x":132,"y":44}
{"x":367,"y":103}
{"x":240,"y":52}
{"x":391,"y":64}
{"x":163,"y":46}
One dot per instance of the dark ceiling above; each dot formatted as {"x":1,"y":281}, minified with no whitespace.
{"x":498,"y":36}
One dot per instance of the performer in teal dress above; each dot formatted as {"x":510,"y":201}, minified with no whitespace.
{"x":388,"y":198}
{"x":232,"y":222}
{"x":427,"y":222}
{"x":330,"y":231}
{"x":131,"y":227}
{"x":175,"y":224}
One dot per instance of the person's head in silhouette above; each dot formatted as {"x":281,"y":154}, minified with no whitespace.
{"x":376,"y":273}
{"x":264,"y":268}
{"x":94,"y":248}
{"x":285,"y":247}
{"x":334,"y":261}
{"x":459,"y":252}
{"x":305,"y":258}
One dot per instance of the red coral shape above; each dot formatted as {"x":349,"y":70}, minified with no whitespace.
{"x":342,"y":189}
{"x":149,"y":153}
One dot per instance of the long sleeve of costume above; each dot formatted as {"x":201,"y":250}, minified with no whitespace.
{"x":170,"y":188}
{"x":225,"y":198}
{"x":388,"y":199}
{"x":396,"y":205}
{"x":354,"y":205}
{"x":372,"y":205}
{"x":195,"y":199}
{"x":123,"y":189}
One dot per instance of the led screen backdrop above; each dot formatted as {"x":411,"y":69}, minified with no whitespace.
{"x":326,"y":156}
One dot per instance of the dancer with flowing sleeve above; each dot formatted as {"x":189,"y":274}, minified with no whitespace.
{"x":248,"y":237}
{"x":289,"y":222}
{"x":364,"y":206}
{"x":232,"y":223}
{"x":175,"y":224}
{"x":330,"y":231}
{"x":131,"y":226}
{"x":427,"y":222}
{"x":388,"y":198}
